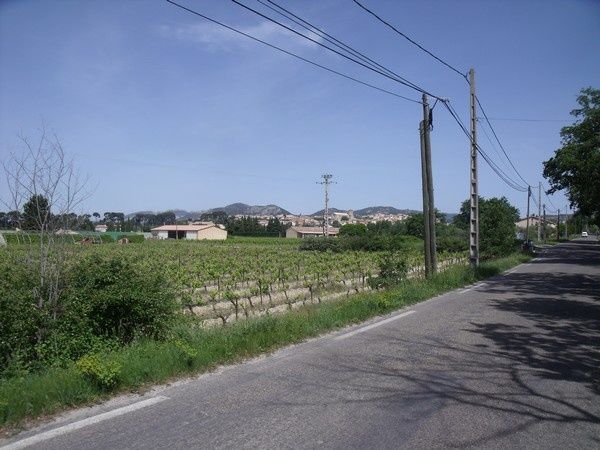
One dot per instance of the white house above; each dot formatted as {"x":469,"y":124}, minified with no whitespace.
{"x":195,"y":231}
{"x":533,"y":222}
{"x":302,"y":232}
{"x":101,"y":228}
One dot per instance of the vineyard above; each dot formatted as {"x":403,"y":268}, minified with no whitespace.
{"x":223,"y":282}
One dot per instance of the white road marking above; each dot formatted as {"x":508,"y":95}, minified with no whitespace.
{"x":82,"y":423}
{"x":373,"y":325}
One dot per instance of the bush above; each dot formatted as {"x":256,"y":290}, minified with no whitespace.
{"x":350,"y":229}
{"x":116,"y":299}
{"x":19,"y":317}
{"x":369,"y":243}
{"x":106,"y":238}
{"x":393,"y":269}
{"x":104,"y":303}
{"x":99,"y":371}
{"x":451,"y":244}
{"x":320,"y":244}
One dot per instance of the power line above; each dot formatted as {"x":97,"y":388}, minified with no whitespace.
{"x":493,"y":146}
{"x":527,"y":120}
{"x":287,"y":52}
{"x":498,"y":140}
{"x":548,"y":198}
{"x":398,"y":79}
{"x":411,"y":40}
{"x":503,"y":176}
{"x":326,"y":36}
{"x":452,"y":68}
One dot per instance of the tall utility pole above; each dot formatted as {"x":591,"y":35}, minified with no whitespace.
{"x":474,"y":189}
{"x":544,"y":229}
{"x":426,"y":229}
{"x":527,"y":229}
{"x":558,"y":225}
{"x":427,"y":187}
{"x":539,"y":211}
{"x":429,"y":172}
{"x":326,"y":182}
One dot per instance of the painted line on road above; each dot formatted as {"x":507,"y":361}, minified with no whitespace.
{"x":373,"y":325}
{"x":83,"y":423}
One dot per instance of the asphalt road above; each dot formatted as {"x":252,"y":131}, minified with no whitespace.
{"x":510,"y":363}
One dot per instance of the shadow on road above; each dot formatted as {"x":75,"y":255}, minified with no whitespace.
{"x":549,"y":332}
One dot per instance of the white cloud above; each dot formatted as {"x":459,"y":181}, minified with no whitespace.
{"x":214,"y":36}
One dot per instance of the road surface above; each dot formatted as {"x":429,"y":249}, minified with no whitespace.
{"x":513,"y":362}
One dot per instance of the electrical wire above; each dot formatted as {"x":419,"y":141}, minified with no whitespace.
{"x":411,"y":40}
{"x":452,"y":68}
{"x":498,"y":140}
{"x":501,"y":174}
{"x":324,"y":35}
{"x":527,"y":120}
{"x":548,"y":198}
{"x":487,"y":136}
{"x":287,"y":52}
{"x":400,"y":80}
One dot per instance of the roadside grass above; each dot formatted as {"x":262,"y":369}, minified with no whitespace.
{"x":192,"y":350}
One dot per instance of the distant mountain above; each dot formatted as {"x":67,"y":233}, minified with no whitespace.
{"x":251,"y":210}
{"x":331,"y":211}
{"x":370,"y":211}
{"x":231,"y":210}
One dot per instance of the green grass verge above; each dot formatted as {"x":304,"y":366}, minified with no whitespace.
{"x":193,"y":350}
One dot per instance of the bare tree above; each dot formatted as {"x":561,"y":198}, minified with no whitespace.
{"x":43,"y":183}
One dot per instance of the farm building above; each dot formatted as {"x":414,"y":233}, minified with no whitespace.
{"x":533,"y":222}
{"x":302,"y":232}
{"x":196,"y":231}
{"x":101,"y":228}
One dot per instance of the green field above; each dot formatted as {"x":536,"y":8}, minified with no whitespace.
{"x":232,"y":279}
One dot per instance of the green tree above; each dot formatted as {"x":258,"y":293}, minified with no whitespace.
{"x":575,"y":167}
{"x":415,"y":226}
{"x":497,"y":228}
{"x":358,"y":229}
{"x":36,"y":213}
{"x":219,"y":217}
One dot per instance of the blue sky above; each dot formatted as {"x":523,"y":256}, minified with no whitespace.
{"x":163,"y":110}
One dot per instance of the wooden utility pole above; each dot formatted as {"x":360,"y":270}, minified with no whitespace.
{"x":425,"y":189}
{"x":566,"y":223}
{"x":429,"y":173}
{"x":474,"y":188}
{"x":558,"y":225}
{"x":527,"y":229}
{"x":539,"y":211}
{"x":544,"y":226}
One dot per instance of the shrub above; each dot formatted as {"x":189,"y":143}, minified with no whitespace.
{"x":104,"y":303}
{"x":188,"y":352}
{"x":369,"y":243}
{"x":393,"y":269}
{"x":19,"y":317}
{"x":116,"y":299}
{"x":350,"y":229}
{"x":451,"y":244}
{"x":101,"y":372}
{"x":320,"y":244}
{"x":106,"y":238}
